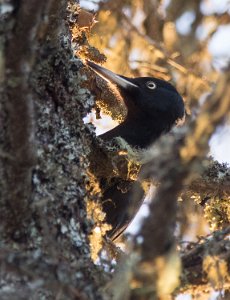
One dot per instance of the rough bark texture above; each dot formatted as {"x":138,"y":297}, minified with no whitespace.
{"x":44,"y":149}
{"x":51,"y":164}
{"x":18,"y":124}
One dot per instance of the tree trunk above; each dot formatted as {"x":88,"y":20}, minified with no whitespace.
{"x":45,"y":252}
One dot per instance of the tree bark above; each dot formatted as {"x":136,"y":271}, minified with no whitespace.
{"x":51,"y":164}
{"x":44,"y":165}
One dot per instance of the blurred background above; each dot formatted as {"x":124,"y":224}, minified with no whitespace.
{"x":196,"y":34}
{"x":184,"y":42}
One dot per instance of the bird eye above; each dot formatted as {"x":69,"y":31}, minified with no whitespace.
{"x":151,"y":85}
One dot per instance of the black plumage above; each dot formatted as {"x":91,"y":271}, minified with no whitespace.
{"x":153,"y":107}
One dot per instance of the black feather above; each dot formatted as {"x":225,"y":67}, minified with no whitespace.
{"x":153,"y":107}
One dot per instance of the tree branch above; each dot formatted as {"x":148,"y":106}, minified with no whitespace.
{"x":173,"y":161}
{"x":215,"y":181}
{"x":193,"y":259}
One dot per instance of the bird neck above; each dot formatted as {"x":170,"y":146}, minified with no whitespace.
{"x":138,"y":132}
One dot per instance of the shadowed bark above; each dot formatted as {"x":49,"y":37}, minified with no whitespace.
{"x":51,"y":163}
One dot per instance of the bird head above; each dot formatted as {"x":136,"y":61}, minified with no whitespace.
{"x":146,"y":96}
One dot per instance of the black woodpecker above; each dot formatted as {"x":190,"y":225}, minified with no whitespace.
{"x":153,"y":107}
